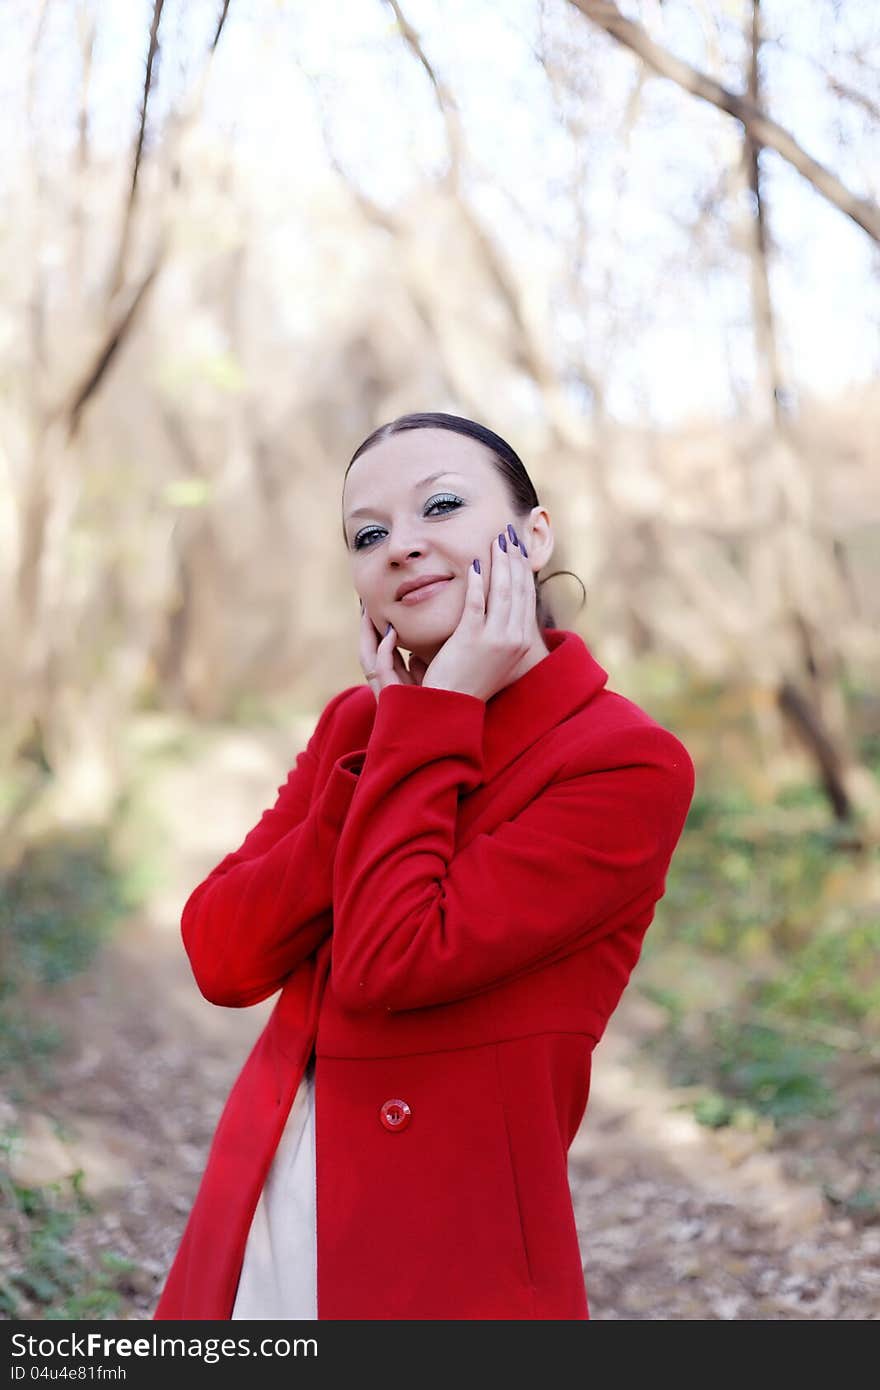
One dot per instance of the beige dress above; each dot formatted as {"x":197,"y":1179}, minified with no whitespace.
{"x":279,"y":1272}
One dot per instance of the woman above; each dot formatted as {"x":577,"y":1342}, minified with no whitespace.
{"x":450,"y":892}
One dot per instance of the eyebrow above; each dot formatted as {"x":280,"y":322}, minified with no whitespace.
{"x":432,"y":477}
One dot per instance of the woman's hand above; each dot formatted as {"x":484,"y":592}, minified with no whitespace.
{"x":492,"y":636}
{"x":381,"y":659}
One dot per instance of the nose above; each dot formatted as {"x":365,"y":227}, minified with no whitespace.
{"x":403,"y":544}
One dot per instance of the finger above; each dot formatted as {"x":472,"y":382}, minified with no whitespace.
{"x":390,"y":660}
{"x":509,"y":548}
{"x":374,"y":655}
{"x":386,"y":648}
{"x":475,"y":595}
{"x":498,"y":606}
{"x":514,"y":573}
{"x":526,"y":596}
{"x":367,"y":643}
{"x":382,"y":661}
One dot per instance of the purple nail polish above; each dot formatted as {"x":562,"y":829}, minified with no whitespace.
{"x":512,"y":534}
{"x":523,"y":549}
{"x":477,"y":566}
{"x":388,"y":629}
{"x":502,"y":542}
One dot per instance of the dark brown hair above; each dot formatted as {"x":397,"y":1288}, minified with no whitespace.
{"x":507,"y":462}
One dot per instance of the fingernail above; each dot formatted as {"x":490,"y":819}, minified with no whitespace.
{"x":512,"y":534}
{"x":523,"y":549}
{"x":501,"y":541}
{"x":388,"y":629}
{"x":477,"y":566}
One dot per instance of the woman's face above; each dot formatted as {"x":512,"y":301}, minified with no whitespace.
{"x":402,"y":523}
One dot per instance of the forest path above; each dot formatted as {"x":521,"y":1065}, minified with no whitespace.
{"x":675,"y":1220}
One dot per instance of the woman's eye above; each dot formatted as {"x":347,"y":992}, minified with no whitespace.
{"x":450,"y":500}
{"x":447,"y":502}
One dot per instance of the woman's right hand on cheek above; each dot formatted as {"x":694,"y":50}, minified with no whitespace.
{"x":381,"y":659}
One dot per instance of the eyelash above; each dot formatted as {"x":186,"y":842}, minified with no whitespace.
{"x":433,"y":502}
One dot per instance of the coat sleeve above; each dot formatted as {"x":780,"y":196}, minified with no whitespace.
{"x":416,"y":924}
{"x":266,"y":906}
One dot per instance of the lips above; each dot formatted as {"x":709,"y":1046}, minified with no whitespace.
{"x":412,"y":585}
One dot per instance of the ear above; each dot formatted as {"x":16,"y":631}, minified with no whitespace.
{"x":540,"y":540}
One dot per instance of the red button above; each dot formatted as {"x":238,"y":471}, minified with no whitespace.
{"x":395,"y":1114}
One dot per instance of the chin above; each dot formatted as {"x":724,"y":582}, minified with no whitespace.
{"x":424,"y":640}
{"x":425,"y":637}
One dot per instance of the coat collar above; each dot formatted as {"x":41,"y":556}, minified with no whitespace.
{"x":559,"y":685}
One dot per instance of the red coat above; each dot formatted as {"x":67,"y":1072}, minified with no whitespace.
{"x":450,"y":895}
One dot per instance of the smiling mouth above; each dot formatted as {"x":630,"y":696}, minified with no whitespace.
{"x":423,"y":592}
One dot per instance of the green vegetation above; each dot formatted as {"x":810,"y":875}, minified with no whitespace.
{"x":765,"y":950}
{"x":751,"y":1069}
{"x":836,"y":975}
{"x":40,"y":1276}
{"x":59,"y":904}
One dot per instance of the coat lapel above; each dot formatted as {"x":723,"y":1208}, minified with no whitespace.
{"x":562,"y":683}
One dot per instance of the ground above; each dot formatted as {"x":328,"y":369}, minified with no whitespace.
{"x":675,"y":1220}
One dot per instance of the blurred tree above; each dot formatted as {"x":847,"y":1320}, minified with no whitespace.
{"x":784,"y":544}
{"x":194,"y":342}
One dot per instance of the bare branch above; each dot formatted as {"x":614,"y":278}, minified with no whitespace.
{"x":114,"y":340}
{"x":39,"y":28}
{"x":445,"y":100}
{"x":527,"y":352}
{"x":220,"y":22}
{"x":760,"y":127}
{"x":37,"y":306}
{"x":762,"y":299}
{"x":86,"y":24}
{"x":119,"y":269}
{"x":811,"y":730}
{"x":839,"y":88}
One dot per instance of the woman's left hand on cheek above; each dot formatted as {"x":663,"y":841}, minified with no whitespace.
{"x":493,"y":634}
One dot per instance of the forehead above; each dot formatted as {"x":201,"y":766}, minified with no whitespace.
{"x":396,"y":464}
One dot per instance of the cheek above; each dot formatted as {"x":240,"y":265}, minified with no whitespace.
{"x":476,"y":537}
